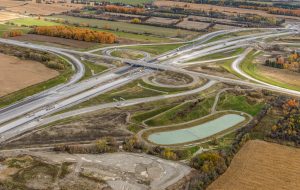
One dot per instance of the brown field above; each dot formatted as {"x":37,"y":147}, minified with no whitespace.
{"x":5,"y":16}
{"x":159,"y":20}
{"x":279,"y":75}
{"x":227,"y":10}
{"x":11,"y":3}
{"x":37,"y":8}
{"x":224,"y":27}
{"x":193,"y":25}
{"x":16,"y":74}
{"x":56,"y":41}
{"x":262,"y":165}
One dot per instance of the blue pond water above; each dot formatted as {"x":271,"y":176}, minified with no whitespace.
{"x":197,"y":132}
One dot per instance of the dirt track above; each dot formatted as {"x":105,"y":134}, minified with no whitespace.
{"x":16,"y":74}
{"x":262,"y":165}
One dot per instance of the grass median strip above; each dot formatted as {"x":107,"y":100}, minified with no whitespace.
{"x":92,"y":69}
{"x":156,"y":49}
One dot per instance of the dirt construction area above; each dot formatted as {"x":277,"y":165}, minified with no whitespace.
{"x":16,"y":74}
{"x":110,"y":171}
{"x":261,"y":165}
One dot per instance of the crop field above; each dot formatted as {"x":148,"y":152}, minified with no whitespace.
{"x":261,"y":165}
{"x":193,"y":25}
{"x":129,"y":27}
{"x":39,"y":8}
{"x":252,"y":67}
{"x":16,"y":74}
{"x":160,"y":20}
{"x":227,"y":10}
{"x":31,"y":21}
{"x":129,"y":2}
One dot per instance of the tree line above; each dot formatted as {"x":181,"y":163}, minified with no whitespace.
{"x":74,"y":33}
{"x":121,"y":9}
{"x":49,"y":60}
{"x":287,"y":129}
{"x":12,"y":33}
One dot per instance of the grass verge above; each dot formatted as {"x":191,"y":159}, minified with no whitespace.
{"x":252,"y":70}
{"x":229,"y":101}
{"x":183,"y":113}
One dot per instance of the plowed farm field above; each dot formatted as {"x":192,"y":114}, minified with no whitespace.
{"x":226,"y":10}
{"x":261,"y":165}
{"x":16,"y":74}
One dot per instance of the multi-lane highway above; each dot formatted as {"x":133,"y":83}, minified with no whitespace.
{"x":27,"y":113}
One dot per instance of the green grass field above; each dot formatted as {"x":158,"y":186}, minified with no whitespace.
{"x":226,"y":64}
{"x":230,"y":101}
{"x":233,"y":34}
{"x":139,"y":117}
{"x":156,"y":49}
{"x":220,"y":55}
{"x":89,"y":66}
{"x":30,"y":21}
{"x":6,"y":28}
{"x":183,"y":113}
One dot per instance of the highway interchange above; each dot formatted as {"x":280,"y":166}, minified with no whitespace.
{"x":32,"y":112}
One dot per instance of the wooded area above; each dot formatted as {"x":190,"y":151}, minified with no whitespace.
{"x":75,"y":34}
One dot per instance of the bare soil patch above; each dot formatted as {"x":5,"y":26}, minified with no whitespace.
{"x":193,"y":25}
{"x":159,"y":20}
{"x":56,"y":40}
{"x":5,"y":16}
{"x":30,"y":8}
{"x":11,"y":3}
{"x":87,"y":128}
{"x":16,"y":74}
{"x":262,"y":165}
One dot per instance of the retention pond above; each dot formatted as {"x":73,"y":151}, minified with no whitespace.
{"x":198,"y":132}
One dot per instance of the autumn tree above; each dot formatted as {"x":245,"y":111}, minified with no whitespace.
{"x":75,"y":33}
{"x":136,"y":21}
